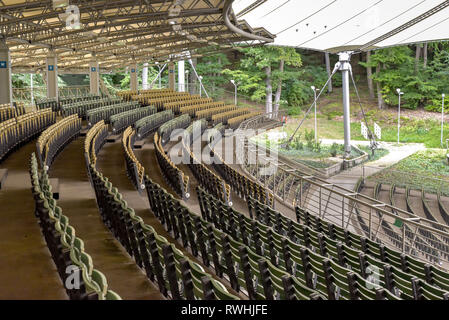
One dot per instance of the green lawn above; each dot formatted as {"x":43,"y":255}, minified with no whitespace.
{"x":412,"y":131}
{"x":425,"y":169}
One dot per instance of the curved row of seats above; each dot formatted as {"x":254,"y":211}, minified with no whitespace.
{"x":208,"y":113}
{"x":129,"y":95}
{"x":175,"y":177}
{"x":328,"y":258}
{"x":82,"y":107}
{"x":148,"y":124}
{"x":47,"y":103}
{"x":395,"y":271}
{"x":15,"y":132}
{"x":206,"y":177}
{"x":74,"y":265}
{"x":417,"y":242}
{"x":231,"y":258}
{"x":105,"y":113}
{"x":8,"y":111}
{"x":193,"y":108}
{"x":123,"y":120}
{"x":176,"y":275}
{"x":224,"y":116}
{"x":134,"y":168}
{"x":236,"y":121}
{"x":241,"y":184}
{"x":52,"y":140}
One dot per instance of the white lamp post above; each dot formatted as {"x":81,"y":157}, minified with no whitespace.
{"x":400,"y":93}
{"x":442,"y":119}
{"x":187,"y":81}
{"x":316,"y":125}
{"x":235,"y":98}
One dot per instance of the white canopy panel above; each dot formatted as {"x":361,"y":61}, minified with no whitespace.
{"x":337,"y":25}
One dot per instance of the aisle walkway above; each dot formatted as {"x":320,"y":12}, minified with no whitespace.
{"x":27,"y":270}
{"x":77,"y":199}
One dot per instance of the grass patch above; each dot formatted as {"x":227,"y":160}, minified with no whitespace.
{"x":425,"y":169}
{"x":412,"y":131}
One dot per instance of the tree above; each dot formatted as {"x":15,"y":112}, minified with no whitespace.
{"x":369,"y":75}
{"x":258,"y":64}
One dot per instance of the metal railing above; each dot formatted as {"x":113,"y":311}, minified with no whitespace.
{"x":28,"y":95}
{"x":372,"y":216}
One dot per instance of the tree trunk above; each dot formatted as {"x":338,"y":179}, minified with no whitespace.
{"x":425,"y":55}
{"x":417,"y":56}
{"x":328,"y":69}
{"x":268,"y":90}
{"x":277,"y":98}
{"x":369,"y":75}
{"x":380,"y":99}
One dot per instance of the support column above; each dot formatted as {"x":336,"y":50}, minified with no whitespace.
{"x":5,"y":74}
{"x":181,"y":76}
{"x":329,"y":71}
{"x":52,"y":75}
{"x":145,"y":76}
{"x":94,"y":74}
{"x":171,"y":75}
{"x":133,"y":81}
{"x":345,"y":66}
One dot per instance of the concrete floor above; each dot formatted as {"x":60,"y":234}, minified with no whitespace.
{"x":27,"y":270}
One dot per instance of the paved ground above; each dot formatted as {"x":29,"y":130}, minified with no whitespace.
{"x":349,"y":178}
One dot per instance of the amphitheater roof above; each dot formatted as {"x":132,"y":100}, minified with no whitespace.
{"x":117,"y":31}
{"x":340,"y":25}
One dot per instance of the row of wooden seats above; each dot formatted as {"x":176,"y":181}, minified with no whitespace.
{"x":176,"y":178}
{"x":203,"y":105}
{"x":241,"y":184}
{"x":8,"y":111}
{"x":148,"y":124}
{"x":145,"y":97}
{"x":122,"y":120}
{"x":105,"y":113}
{"x":83,"y":107}
{"x":176,"y":275}
{"x":128,"y":95}
{"x":55,"y":138}
{"x":167,"y":128}
{"x":206,"y":177}
{"x":15,"y":132}
{"x":160,"y":102}
{"x":224,"y":116}
{"x":208,"y":113}
{"x":95,"y":138}
{"x":176,"y":106}
{"x":47,"y":103}
{"x":236,"y":121}
{"x":63,"y":101}
{"x":134,"y":168}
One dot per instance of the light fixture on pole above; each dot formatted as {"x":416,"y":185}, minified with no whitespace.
{"x":442,"y":119}
{"x":400,"y":93}
{"x":316,"y":125}
{"x":187,"y":81}
{"x":235,"y":96}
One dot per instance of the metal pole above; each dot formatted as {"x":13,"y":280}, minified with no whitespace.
{"x":160,"y":77}
{"x":316,"y":128}
{"x":344,"y":68}
{"x":399,"y":115}
{"x":442,"y":120}
{"x":235,"y":85}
